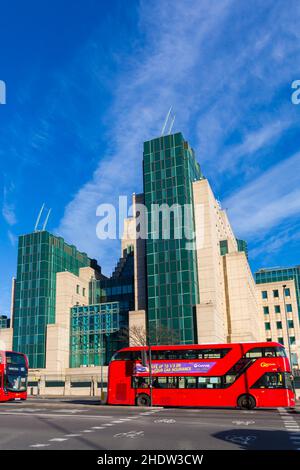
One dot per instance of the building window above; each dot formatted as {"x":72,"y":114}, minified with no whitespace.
{"x":264,"y":294}
{"x":275,"y":293}
{"x":267,"y":325}
{"x":289,"y":308}
{"x":287,"y":292}
{"x":266,"y":310}
{"x":290,"y":323}
{"x":292,"y":340}
{"x":269,"y":340}
{"x":277,"y":308}
{"x":223,"y":247}
{"x":280,"y":340}
{"x":83,"y":291}
{"x":77,"y":289}
{"x":279,"y":325}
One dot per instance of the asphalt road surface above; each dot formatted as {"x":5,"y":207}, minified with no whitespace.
{"x":74,"y":424}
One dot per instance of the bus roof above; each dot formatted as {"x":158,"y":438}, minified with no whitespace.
{"x":205,"y":346}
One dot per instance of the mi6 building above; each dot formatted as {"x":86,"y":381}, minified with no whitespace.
{"x":183,"y":278}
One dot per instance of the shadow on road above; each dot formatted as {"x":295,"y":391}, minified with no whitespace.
{"x":256,"y":439}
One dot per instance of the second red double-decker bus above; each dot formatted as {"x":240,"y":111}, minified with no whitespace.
{"x":245,"y":375}
{"x":13,"y":376}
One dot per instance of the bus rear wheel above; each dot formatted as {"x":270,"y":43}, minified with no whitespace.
{"x":246,"y":402}
{"x":143,"y":400}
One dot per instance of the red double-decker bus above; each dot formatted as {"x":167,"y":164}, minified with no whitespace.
{"x":13,"y":376}
{"x":244,"y":375}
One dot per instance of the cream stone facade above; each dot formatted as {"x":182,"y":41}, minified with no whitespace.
{"x":273,"y":302}
{"x":70,"y":290}
{"x":6,"y":338}
{"x":228,"y":309}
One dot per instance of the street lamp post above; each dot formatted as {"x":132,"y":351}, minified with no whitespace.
{"x":287,"y":327}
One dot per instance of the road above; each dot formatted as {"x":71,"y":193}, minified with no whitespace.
{"x":72,"y":424}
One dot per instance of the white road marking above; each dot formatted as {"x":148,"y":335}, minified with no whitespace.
{"x":244,"y":423}
{"x":87,"y":430}
{"x":107,"y":424}
{"x":39,"y":445}
{"x":98,"y":427}
{"x":67,"y":411}
{"x":28,"y":410}
{"x":168,"y":421}
{"x":53,"y":415}
{"x":72,"y":435}
{"x":58,"y":439}
{"x":244,"y":440}
{"x":291,"y":426}
{"x":130,"y":434}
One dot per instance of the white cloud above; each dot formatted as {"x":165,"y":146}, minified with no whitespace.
{"x":253,"y":141}
{"x":8,"y":209}
{"x":142,"y":99}
{"x":268,"y":200}
{"x":12,"y":238}
{"x":217,"y":63}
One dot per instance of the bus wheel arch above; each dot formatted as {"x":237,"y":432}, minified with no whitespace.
{"x":246,"y":402}
{"x":143,"y":399}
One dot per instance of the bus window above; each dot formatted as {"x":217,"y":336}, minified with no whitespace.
{"x":191,"y":382}
{"x":127,"y":356}
{"x":160,"y":382}
{"x":270,"y":380}
{"x":213,"y":353}
{"x":209,"y":382}
{"x":269,"y":352}
{"x":255,"y":353}
{"x":280,"y":352}
{"x":140,"y":382}
{"x":181,"y":382}
{"x":229,"y":379}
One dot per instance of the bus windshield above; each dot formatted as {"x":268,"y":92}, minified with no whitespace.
{"x":15,"y":359}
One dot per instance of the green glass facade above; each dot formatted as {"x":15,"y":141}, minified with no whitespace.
{"x":281,"y":275}
{"x":40,"y":256}
{"x":94,"y":334}
{"x":242,"y":246}
{"x":169,"y":168}
{"x":4,"y":322}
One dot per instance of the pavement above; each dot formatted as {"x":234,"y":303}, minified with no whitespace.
{"x":56,"y":423}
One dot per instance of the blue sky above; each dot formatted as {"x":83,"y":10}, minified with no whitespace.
{"x":89,"y":81}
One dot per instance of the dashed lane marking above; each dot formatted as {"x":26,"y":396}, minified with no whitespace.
{"x":291,"y":426}
{"x":130,"y":434}
{"x":58,"y":439}
{"x":55,"y":416}
{"x":39,"y":445}
{"x":167,"y":421}
{"x":244,"y":423}
{"x":72,"y":435}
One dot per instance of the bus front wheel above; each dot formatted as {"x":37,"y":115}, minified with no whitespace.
{"x":246,"y":402}
{"x":143,"y":400}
